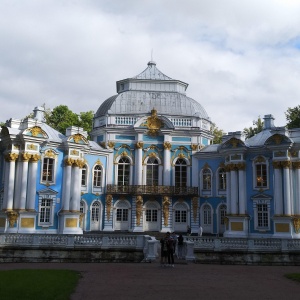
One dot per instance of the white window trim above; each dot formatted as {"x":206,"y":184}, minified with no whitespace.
{"x":255,"y":213}
{"x":47,"y":194}
{"x":96,"y":189}
{"x":160,"y":170}
{"x":54,"y":157}
{"x":254,"y":164}
{"x":188,"y":170}
{"x":130,"y":169}
{"x":85,"y":187}
{"x":202,"y":191}
{"x":218,"y":190}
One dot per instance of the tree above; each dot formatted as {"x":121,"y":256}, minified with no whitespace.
{"x":218,"y":133}
{"x":293,"y":117}
{"x":86,"y":120}
{"x":251,"y":131}
{"x":61,"y":117}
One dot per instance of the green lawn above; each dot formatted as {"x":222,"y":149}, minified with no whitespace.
{"x":37,"y":284}
{"x":293,"y":276}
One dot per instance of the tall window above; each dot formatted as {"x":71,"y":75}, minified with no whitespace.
{"x":180,"y":173}
{"x":222,"y":214}
{"x":206,"y":215}
{"x":151,"y":215}
{"x":122,"y":214}
{"x":222,"y":179}
{"x":123,"y":171}
{"x":180,"y":216}
{"x":206,"y":179}
{"x":83,"y":176}
{"x":45,"y":211}
{"x":152,"y":171}
{"x":48,"y":168}
{"x":97,"y":176}
{"x":262,"y":216}
{"x":261,"y":175}
{"x":95,"y":212}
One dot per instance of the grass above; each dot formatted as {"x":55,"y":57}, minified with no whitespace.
{"x":37,"y":284}
{"x":293,"y":276}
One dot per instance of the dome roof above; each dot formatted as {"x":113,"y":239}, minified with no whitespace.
{"x":151,"y":89}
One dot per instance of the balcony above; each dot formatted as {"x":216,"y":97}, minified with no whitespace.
{"x":163,"y":190}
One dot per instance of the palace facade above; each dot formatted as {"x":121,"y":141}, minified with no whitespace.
{"x":150,"y":166}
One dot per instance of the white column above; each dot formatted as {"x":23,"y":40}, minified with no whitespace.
{"x":278,"y":189}
{"x":242,"y":191}
{"x":32,"y":176}
{"x":286,"y":188}
{"x":167,"y":164}
{"x":66,"y":189}
{"x":75,"y":198}
{"x":138,"y":163}
{"x":24,"y":178}
{"x":297,"y":188}
{"x":9,"y":181}
{"x":234,"y":191}
{"x":228,"y":191}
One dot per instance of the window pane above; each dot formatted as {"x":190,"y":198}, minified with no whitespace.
{"x":180,"y":173}
{"x":47,"y":173}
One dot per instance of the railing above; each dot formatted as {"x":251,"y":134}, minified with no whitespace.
{"x":151,"y":190}
{"x":244,"y":244}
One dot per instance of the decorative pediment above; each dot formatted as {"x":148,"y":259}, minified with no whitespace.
{"x":35,"y":131}
{"x":233,"y":143}
{"x":48,"y":192}
{"x":278,"y":139}
{"x":78,"y":139}
{"x":261,"y":196}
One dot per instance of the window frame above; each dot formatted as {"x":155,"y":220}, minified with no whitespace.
{"x":261,"y":172}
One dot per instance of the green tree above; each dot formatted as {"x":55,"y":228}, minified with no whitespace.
{"x":61,"y":117}
{"x":251,"y":131}
{"x":293,"y":117}
{"x":218,"y":133}
{"x":86,"y":120}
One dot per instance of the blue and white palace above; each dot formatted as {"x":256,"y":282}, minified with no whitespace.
{"x":149,"y":167}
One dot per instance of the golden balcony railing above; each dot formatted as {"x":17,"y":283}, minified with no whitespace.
{"x":165,"y":190}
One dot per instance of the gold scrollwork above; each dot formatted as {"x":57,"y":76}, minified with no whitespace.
{"x":166,"y":204}
{"x":296,"y":223}
{"x":25,"y":156}
{"x":139,"y":207}
{"x":194,"y":147}
{"x":12,"y":218}
{"x":167,"y":145}
{"x":50,"y":153}
{"x":11,"y":157}
{"x":110,"y":144}
{"x":153,"y":123}
{"x":108,"y":204}
{"x":195,"y":207}
{"x":139,"y":145}
{"x":36,"y":130}
{"x":296,"y":164}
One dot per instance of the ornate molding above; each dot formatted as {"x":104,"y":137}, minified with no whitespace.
{"x":110,"y":144}
{"x":153,"y":123}
{"x":296,"y":223}
{"x":139,"y":145}
{"x":11,"y":157}
{"x":167,"y":146}
{"x":194,"y":147}
{"x":12,"y":218}
{"x":166,"y":203}
{"x":139,"y":208}
{"x":108,"y":204}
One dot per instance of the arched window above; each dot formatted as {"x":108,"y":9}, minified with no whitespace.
{"x":123,"y":171}
{"x":206,"y":179}
{"x":206,"y":214}
{"x":152,"y":171}
{"x":180,"y":173}
{"x":95,"y":211}
{"x":222,"y":179}
{"x":97,"y":176}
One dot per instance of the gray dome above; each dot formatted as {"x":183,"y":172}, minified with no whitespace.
{"x":151,"y":89}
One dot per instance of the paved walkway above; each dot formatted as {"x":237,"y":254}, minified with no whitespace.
{"x":145,"y":281}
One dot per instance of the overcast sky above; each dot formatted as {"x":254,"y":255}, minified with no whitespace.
{"x":241,"y":59}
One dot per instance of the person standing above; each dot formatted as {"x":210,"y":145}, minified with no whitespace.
{"x":200,"y":231}
{"x":163,"y":251}
{"x":170,"y":247}
{"x":180,"y":247}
